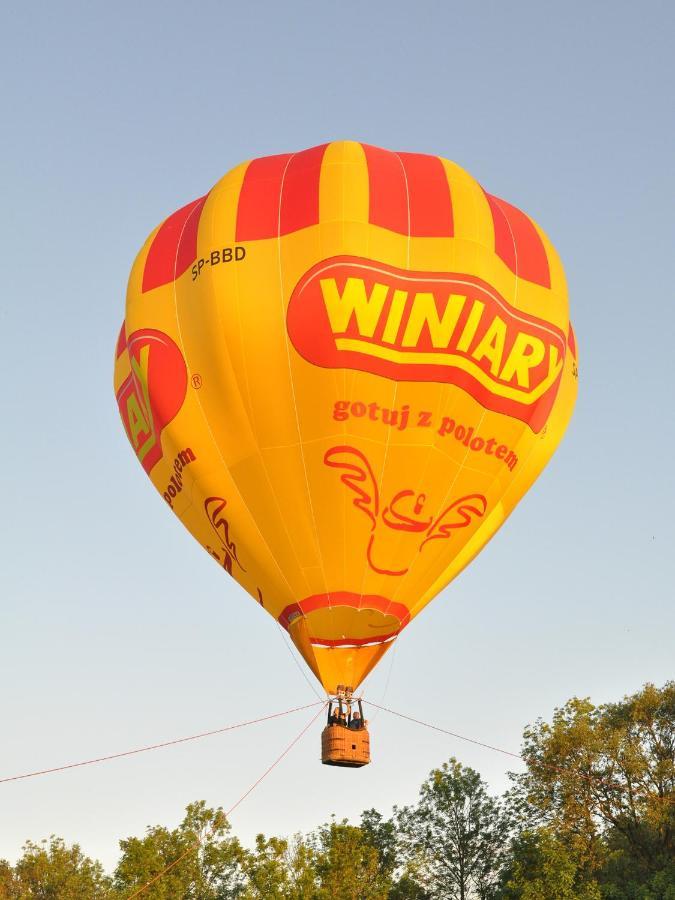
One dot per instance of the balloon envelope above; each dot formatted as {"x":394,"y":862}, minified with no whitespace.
{"x":341,"y":369}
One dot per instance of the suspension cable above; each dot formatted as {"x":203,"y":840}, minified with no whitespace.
{"x":171,"y":743}
{"x":298,"y":665}
{"x":592,"y":779}
{"x":200,"y":840}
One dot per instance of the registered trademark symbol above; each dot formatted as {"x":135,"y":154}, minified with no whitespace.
{"x":196,"y":381}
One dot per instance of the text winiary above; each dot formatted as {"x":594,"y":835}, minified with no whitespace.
{"x":348,"y":312}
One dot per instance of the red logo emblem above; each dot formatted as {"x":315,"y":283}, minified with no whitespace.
{"x":405,"y":510}
{"x":153,"y":393}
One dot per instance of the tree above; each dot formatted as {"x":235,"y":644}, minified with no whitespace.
{"x":380,"y":833}
{"x":300,"y":861}
{"x":347,"y":865}
{"x":543,"y":868}
{"x":50,"y":870}
{"x":6,"y":880}
{"x":279,"y":870}
{"x":265,"y":870}
{"x":603,"y":780}
{"x":455,"y":840}
{"x":210,"y":870}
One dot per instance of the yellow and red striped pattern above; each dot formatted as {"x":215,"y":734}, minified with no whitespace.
{"x":408,"y":193}
{"x":343,"y":467}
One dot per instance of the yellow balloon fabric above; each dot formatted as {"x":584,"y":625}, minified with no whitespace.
{"x":342,"y":368}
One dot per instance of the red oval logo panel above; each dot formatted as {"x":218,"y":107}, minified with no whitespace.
{"x":353,"y":313}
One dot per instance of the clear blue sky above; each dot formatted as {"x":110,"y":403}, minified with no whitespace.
{"x":116,"y":628}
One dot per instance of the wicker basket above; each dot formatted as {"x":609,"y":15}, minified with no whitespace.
{"x":342,"y":746}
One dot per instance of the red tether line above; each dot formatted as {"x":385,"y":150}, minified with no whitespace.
{"x":183,"y":740}
{"x":454,"y":734}
{"x":195,"y":844}
{"x":592,"y":779}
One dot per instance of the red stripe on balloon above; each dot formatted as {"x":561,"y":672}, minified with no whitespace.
{"x":279,"y":195}
{"x":409,"y":193}
{"x":174,"y":247}
{"x":300,"y":194}
{"x":517,"y":242}
{"x":388,"y":199}
{"x":345,"y":598}
{"x":259,"y":198}
{"x":429,"y":196}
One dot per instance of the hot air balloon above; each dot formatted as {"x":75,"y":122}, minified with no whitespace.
{"x":341,"y":369}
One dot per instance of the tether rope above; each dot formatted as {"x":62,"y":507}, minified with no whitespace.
{"x":592,"y":779}
{"x":197,"y":843}
{"x":171,"y":743}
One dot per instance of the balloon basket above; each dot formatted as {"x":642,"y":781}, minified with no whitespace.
{"x":345,"y":740}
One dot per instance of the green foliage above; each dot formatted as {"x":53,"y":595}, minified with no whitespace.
{"x":279,"y":870}
{"x":455,"y":839}
{"x":6,"y":879}
{"x":348,"y":867}
{"x":53,"y":871}
{"x":543,"y":868}
{"x":381,"y":834}
{"x":210,"y":868}
{"x":592,"y":818}
{"x":603,"y":779}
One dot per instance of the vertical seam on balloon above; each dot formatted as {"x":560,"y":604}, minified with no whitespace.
{"x":343,"y":499}
{"x":334,"y":373}
{"x":260,"y":457}
{"x":192,"y":212}
{"x":432,"y":447}
{"x":333,"y":379}
{"x":264,"y":469}
{"x":249,"y":408}
{"x":515,"y":250}
{"x":215,"y":444}
{"x":346,"y":500}
{"x":393,"y":403}
{"x":460,"y":467}
{"x":417,"y":608}
{"x":292,"y":385}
